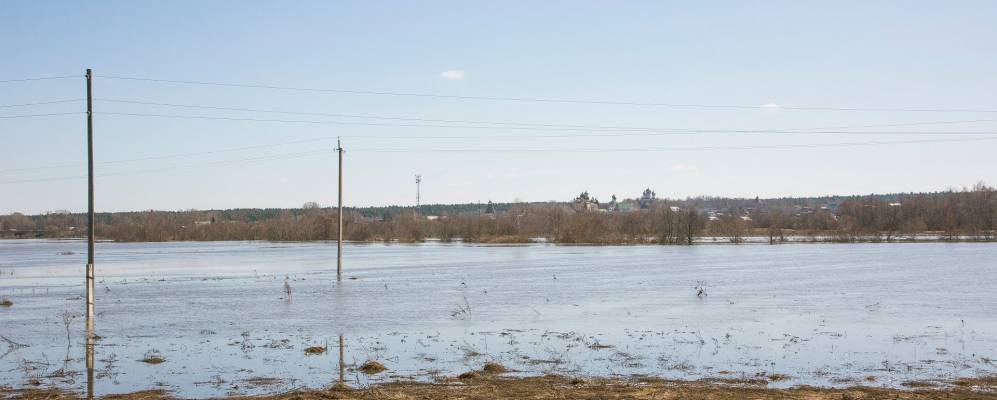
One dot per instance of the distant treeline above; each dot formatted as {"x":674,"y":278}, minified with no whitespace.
{"x":970,"y":214}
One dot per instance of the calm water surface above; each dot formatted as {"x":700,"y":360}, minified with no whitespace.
{"x":823,"y":314}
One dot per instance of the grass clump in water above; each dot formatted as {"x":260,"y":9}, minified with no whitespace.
{"x":153,"y":357}
{"x":372,"y":367}
{"x":778,"y":377}
{"x":315,"y":350}
{"x":494,"y":368}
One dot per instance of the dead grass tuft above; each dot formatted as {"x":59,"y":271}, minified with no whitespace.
{"x":314,"y":350}
{"x":5,"y":302}
{"x":494,"y":368}
{"x":469,"y":375}
{"x":778,"y":377}
{"x":372,"y":367}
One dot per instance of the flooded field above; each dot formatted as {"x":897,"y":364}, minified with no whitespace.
{"x":212,"y":319}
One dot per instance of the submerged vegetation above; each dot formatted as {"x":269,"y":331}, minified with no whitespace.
{"x":970,"y":214}
{"x":153,"y":357}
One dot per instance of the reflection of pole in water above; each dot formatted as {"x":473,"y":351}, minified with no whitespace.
{"x":342,"y":375}
{"x":89,"y":346}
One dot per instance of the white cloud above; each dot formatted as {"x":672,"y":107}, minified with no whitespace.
{"x":684,"y":168}
{"x":452,"y":74}
{"x":770,"y":106}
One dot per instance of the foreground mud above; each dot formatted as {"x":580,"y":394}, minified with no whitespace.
{"x":489,"y":386}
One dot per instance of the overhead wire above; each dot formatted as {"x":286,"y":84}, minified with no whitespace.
{"x":41,"y":103}
{"x":486,"y":122}
{"x":641,"y":132}
{"x":40,"y":115}
{"x":180,"y":167}
{"x":518,"y":150}
{"x":668,"y":149}
{"x":42,"y":78}
{"x":542,"y":100}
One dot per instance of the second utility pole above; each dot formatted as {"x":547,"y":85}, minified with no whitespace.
{"x":339,"y":243}
{"x":90,"y":216}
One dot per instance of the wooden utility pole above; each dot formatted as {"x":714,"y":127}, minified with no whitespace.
{"x":90,"y":344}
{"x":90,"y":217}
{"x":339,"y":242}
{"x":342,"y":364}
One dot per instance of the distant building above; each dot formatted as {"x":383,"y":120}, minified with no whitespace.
{"x":627,"y":206}
{"x":585,"y":202}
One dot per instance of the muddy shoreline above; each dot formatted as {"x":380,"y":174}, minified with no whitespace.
{"x":484,"y":385}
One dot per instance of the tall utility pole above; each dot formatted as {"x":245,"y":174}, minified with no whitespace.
{"x":342,"y":365}
{"x":90,"y":217}
{"x":339,"y":242}
{"x":418,"y":183}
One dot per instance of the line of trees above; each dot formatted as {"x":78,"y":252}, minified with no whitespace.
{"x":970,"y":214}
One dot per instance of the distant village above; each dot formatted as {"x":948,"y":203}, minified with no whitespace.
{"x":744,"y":209}
{"x":966,"y":213}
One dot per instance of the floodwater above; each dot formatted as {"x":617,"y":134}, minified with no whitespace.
{"x":217,"y":312}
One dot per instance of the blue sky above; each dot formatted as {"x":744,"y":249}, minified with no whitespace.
{"x":862,"y":54}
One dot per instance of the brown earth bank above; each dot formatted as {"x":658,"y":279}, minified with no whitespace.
{"x":492,"y":386}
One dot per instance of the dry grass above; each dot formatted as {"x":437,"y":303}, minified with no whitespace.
{"x":494,"y":368}
{"x":985,"y":382}
{"x":5,"y":302}
{"x":778,"y":377}
{"x":469,"y":375}
{"x":314,"y":350}
{"x":372,"y":367}
{"x":555,"y":387}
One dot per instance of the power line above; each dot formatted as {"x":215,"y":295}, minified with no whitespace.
{"x":180,"y":167}
{"x":533,"y":150}
{"x":260,"y":110}
{"x":371,"y":116}
{"x":322,"y":138}
{"x":532,"y":128}
{"x":298,"y":121}
{"x":169,"y":156}
{"x":542,"y":100}
{"x":41,"y":103}
{"x":41,"y":115}
{"x":668,"y":149}
{"x":44,"y":78}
